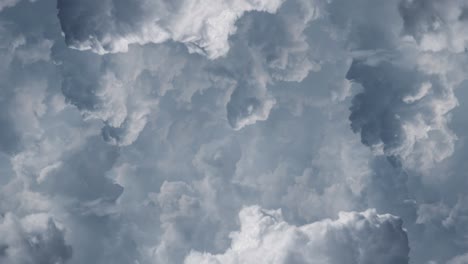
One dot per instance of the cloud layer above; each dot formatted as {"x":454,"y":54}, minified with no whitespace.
{"x":264,"y":237}
{"x":248,"y":131}
{"x":112,"y":25}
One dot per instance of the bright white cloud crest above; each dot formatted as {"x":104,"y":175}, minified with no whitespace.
{"x":112,"y":25}
{"x":353,"y":238}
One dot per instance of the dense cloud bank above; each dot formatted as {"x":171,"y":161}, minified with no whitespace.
{"x":247,"y":131}
{"x":33,"y":239}
{"x":352,"y":238}
{"x":112,"y":25}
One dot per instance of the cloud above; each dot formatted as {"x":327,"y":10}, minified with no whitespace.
{"x":112,"y":25}
{"x":459,"y":259}
{"x":7,"y":3}
{"x":276,"y":49}
{"x":249,"y":103}
{"x":436,"y":26}
{"x":32,"y":239}
{"x":123,"y":90}
{"x":402,"y":113}
{"x":264,"y":237}
{"x":138,"y":133}
{"x":404,"y":108}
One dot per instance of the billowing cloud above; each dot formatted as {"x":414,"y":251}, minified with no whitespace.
{"x":404,"y":108}
{"x":136,"y":131}
{"x":276,"y":49}
{"x":264,"y":237}
{"x":249,"y":103}
{"x":111,"y":26}
{"x":32,"y":239}
{"x":402,"y":113}
{"x":435,"y":25}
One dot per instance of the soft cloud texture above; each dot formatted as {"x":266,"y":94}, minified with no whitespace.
{"x":33,"y":239}
{"x":8,"y":3}
{"x":352,"y":238}
{"x":110,"y":26}
{"x":171,"y":131}
{"x":435,"y":25}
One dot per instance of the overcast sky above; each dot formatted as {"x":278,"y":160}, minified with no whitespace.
{"x":233,"y":131}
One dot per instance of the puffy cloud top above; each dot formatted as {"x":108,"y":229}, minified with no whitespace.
{"x":142,"y":131}
{"x":112,"y":25}
{"x":354,"y":237}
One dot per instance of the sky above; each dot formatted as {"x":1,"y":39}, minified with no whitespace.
{"x":233,"y":131}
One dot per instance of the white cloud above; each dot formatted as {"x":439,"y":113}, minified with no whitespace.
{"x":264,"y":237}
{"x":435,"y":25}
{"x":147,"y":155}
{"x":111,"y":25}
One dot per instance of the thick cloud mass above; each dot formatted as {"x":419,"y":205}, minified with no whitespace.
{"x":402,"y":112}
{"x":33,"y":239}
{"x":112,"y":25}
{"x":264,"y":237}
{"x":233,"y":131}
{"x":436,"y":25}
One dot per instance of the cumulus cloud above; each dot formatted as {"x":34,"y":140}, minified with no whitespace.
{"x":110,"y":26}
{"x":136,"y":131}
{"x":264,"y":237}
{"x":404,"y":109}
{"x":128,"y":93}
{"x":276,"y":49}
{"x":435,"y":25}
{"x":249,"y":103}
{"x":402,"y":113}
{"x":32,"y":239}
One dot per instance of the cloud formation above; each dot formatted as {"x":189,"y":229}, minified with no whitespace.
{"x":112,"y":25}
{"x":436,"y":26}
{"x":145,"y":131}
{"x":32,"y":239}
{"x":264,"y":237}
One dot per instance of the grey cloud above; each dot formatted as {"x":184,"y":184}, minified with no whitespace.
{"x":209,"y":200}
{"x":405,"y":103}
{"x":278,"y":41}
{"x":179,"y":207}
{"x":110,"y":26}
{"x":249,"y":103}
{"x":9,"y":136}
{"x":75,"y":176}
{"x":144,"y":149}
{"x":7,"y":3}
{"x":276,"y":49}
{"x":435,"y":25}
{"x":250,"y":100}
{"x":32,"y":239}
{"x":459,"y":259}
{"x":128,"y":92}
{"x":401,"y":109}
{"x":353,"y":238}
